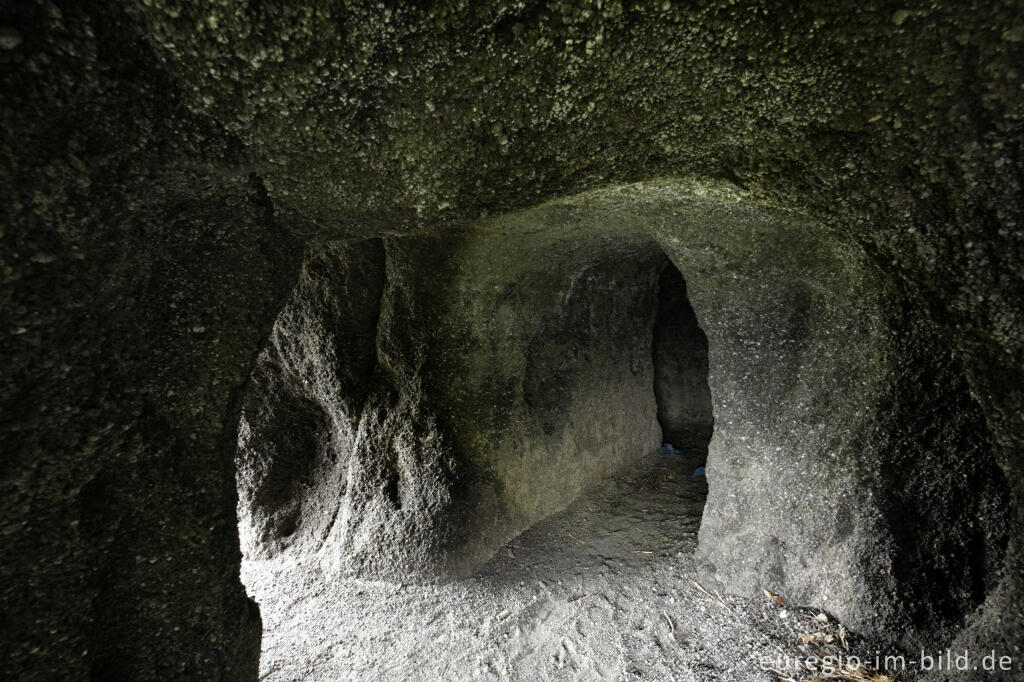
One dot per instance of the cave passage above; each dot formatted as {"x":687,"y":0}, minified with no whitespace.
{"x":617,"y":365}
{"x":680,"y":354}
{"x":478,"y":428}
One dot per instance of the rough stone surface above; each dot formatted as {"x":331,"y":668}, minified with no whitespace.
{"x":143,"y":263}
{"x":141,"y":267}
{"x":300,"y":416}
{"x":512,"y":369}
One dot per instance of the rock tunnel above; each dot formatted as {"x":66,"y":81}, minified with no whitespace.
{"x":408,"y":429}
{"x":370,"y":296}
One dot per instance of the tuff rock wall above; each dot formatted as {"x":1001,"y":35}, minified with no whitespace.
{"x":509,"y":369}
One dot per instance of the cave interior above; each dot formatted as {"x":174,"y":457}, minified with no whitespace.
{"x":342,"y":336}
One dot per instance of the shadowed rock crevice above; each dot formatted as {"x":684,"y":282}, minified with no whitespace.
{"x":943,"y":467}
{"x":681,"y":369}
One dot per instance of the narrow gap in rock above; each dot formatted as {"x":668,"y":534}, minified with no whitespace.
{"x":680,"y":350}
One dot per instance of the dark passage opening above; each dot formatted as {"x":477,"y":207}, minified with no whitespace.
{"x":680,"y":351}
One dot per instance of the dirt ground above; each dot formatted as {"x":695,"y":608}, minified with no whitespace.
{"x":602,"y":591}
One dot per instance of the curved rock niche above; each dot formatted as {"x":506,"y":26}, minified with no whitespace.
{"x":424,"y":399}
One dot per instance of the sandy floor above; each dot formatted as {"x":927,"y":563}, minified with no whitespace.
{"x":602,"y":590}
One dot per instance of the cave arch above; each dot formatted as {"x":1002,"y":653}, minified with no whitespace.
{"x":513,"y":367}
